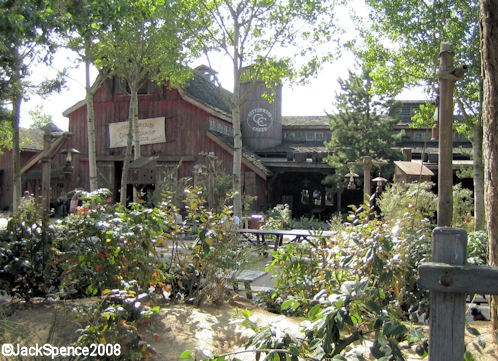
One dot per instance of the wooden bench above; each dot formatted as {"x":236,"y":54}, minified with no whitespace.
{"x":247,"y":277}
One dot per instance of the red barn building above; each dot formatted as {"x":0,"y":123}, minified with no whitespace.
{"x":283,"y":157}
{"x":176,"y":125}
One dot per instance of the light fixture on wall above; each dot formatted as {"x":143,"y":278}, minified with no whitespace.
{"x":68,"y":166}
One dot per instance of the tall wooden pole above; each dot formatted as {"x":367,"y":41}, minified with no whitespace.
{"x":445,"y":166}
{"x":211,"y":169}
{"x":367,"y":186}
{"x":448,"y":75}
{"x":46,"y":165}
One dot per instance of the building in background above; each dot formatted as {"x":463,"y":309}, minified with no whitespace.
{"x":283,"y":157}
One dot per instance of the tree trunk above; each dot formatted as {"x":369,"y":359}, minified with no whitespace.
{"x":133,"y":118}
{"x":16,"y":153}
{"x":129,"y":143}
{"x":16,"y":150}
{"x":489,"y":46}
{"x":478,"y":164}
{"x":237,"y":133}
{"x":90,"y":118}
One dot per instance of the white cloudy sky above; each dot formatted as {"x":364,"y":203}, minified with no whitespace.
{"x":314,"y":98}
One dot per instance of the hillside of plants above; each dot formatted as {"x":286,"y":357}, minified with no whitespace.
{"x":359,"y":284}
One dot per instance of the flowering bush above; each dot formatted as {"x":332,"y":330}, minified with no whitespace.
{"x":104,"y":244}
{"x":360,"y":281}
{"x":115,"y":321}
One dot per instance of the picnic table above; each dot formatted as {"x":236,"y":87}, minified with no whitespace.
{"x":292,"y":235}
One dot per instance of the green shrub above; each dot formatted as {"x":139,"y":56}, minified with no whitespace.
{"x":362,"y":280}
{"x":279,"y":217}
{"x":310,"y":223}
{"x":27,"y":254}
{"x":478,"y":248}
{"x":411,"y":204}
{"x":103,"y":244}
{"x":217,"y":254}
{"x":115,"y":321}
{"x":463,"y":205}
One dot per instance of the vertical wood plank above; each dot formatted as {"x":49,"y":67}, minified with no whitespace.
{"x":447,"y":310}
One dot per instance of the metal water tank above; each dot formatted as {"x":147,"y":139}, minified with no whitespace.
{"x":261,"y":121}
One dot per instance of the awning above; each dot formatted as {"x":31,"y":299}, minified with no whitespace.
{"x":56,"y":172}
{"x":142,"y":162}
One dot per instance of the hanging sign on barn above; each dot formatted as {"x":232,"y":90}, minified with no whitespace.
{"x":150,"y":130}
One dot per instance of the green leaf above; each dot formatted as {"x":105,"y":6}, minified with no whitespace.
{"x":186,"y":354}
{"x":294,"y":350}
{"x":286,"y":304}
{"x":246,"y":313}
{"x":473,"y":331}
{"x":296,"y":305}
{"x":314,"y":311}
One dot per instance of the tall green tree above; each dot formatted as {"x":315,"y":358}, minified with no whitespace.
{"x":256,"y":33}
{"x":402,"y":46}
{"x":25,"y":28}
{"x":147,"y":40}
{"x":86,"y":19}
{"x":361,"y":128}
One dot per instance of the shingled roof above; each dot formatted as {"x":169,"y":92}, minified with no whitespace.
{"x":198,"y":90}
{"x":32,"y":139}
{"x":306,"y":121}
{"x":204,"y":90}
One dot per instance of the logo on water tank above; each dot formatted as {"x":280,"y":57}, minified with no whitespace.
{"x":259,"y":120}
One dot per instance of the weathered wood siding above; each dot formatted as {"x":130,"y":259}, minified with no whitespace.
{"x":186,"y":128}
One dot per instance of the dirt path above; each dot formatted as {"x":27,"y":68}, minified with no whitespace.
{"x":212,"y":329}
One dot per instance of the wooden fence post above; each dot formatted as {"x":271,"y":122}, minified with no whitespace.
{"x":447,"y":310}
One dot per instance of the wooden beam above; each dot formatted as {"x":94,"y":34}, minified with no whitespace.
{"x":443,"y":277}
{"x":229,"y":149}
{"x":54,"y":148}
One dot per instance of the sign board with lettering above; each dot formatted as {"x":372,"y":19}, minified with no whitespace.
{"x":260,"y":120}
{"x":151,"y":131}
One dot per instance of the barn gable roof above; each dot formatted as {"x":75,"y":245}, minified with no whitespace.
{"x":199,"y":91}
{"x":203,"y":89}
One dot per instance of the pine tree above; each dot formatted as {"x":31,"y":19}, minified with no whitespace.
{"x":362,"y":127}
